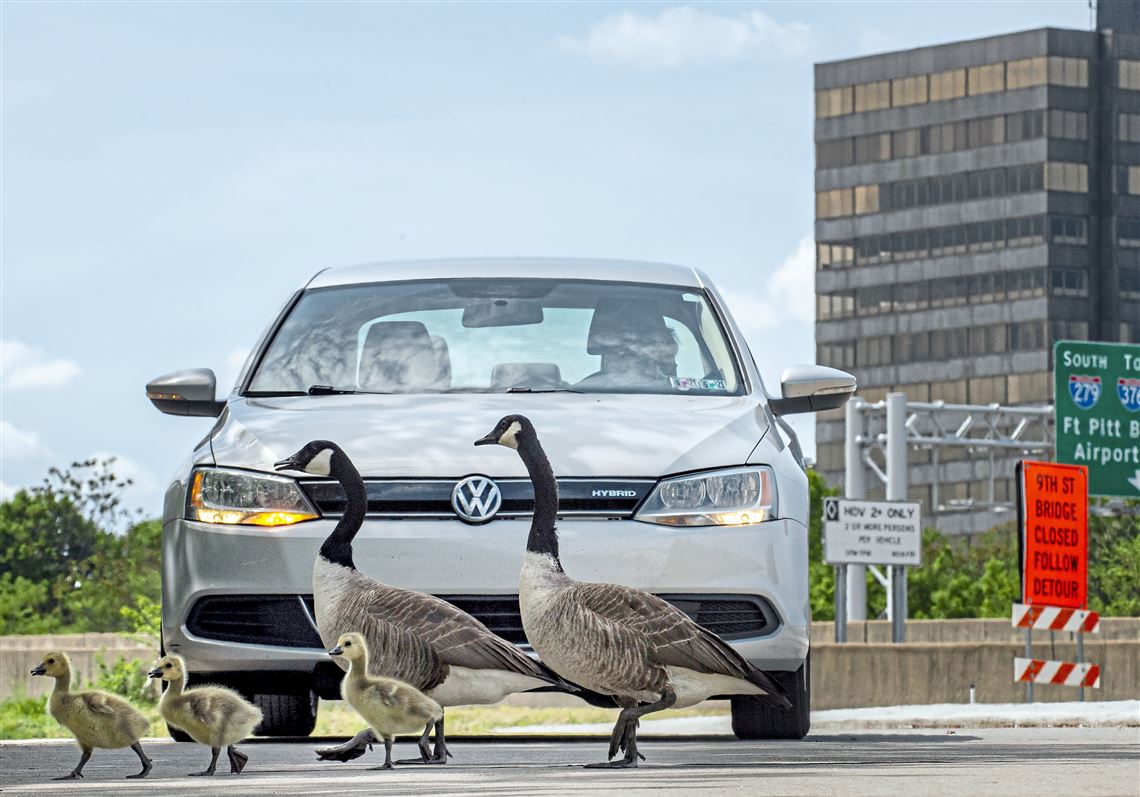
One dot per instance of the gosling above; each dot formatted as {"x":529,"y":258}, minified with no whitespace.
{"x":97,"y":719}
{"x":388,"y":705}
{"x":212,"y":715}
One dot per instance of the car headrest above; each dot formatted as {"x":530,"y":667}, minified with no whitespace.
{"x":399,"y":356}
{"x":539,"y":376}
{"x":624,"y":324}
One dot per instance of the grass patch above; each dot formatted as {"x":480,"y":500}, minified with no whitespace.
{"x":24,"y":717}
{"x":336,"y":718}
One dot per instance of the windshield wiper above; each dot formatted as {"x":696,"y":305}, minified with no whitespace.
{"x":329,"y":390}
{"x":542,"y":390}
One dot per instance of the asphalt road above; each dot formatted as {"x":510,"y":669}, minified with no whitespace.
{"x":1005,"y":762}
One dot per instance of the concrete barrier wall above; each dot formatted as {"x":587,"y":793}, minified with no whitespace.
{"x":19,"y":654}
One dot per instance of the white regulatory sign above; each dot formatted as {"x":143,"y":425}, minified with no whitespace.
{"x":871,"y":532}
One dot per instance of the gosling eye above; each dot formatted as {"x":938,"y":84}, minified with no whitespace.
{"x":348,"y":644}
{"x":51,"y":661}
{"x":167,"y":666}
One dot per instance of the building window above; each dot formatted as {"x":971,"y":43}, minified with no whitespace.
{"x":872,"y":96}
{"x":1068,"y":230}
{"x":1131,"y":182}
{"x":985,"y":79}
{"x":1027,"y":336}
{"x":873,"y":148}
{"x":833,"y":102}
{"x":1130,"y":284}
{"x":835,"y":255}
{"x":870,"y":352}
{"x":830,"y":306}
{"x":1070,"y":282}
{"x":1025,"y":72}
{"x":874,"y":300}
{"x":1024,"y":126}
{"x":1068,"y":124}
{"x":1128,"y":127}
{"x":834,"y":154}
{"x":909,"y":90}
{"x":833,"y":204}
{"x":948,"y":85}
{"x":1070,"y":330}
{"x":1128,"y":230}
{"x":1060,"y":176}
{"x":1129,"y":74}
{"x":866,"y":199}
{"x":1068,"y":71}
{"x":906,"y":143}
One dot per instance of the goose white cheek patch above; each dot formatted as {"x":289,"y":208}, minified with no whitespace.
{"x":321,"y":463}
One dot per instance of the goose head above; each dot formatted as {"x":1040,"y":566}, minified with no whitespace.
{"x":315,"y":457}
{"x":53,"y":665}
{"x":352,"y":646}
{"x":510,"y":431}
{"x":169,"y":668}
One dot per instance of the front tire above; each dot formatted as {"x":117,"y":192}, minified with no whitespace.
{"x":292,"y":714}
{"x":758,"y":718}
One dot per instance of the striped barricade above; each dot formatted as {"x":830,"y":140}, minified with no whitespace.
{"x":1060,"y":673}
{"x":1050,"y":618}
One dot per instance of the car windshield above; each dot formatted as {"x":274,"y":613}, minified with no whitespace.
{"x":496,"y":335}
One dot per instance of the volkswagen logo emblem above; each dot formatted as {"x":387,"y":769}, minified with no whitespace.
{"x":476,"y":499}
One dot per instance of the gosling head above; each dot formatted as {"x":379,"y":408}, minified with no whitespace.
{"x":352,"y":646}
{"x":509,"y":432}
{"x":53,"y":665}
{"x":315,"y":457}
{"x":169,"y":668}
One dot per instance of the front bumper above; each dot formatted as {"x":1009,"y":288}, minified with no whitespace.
{"x":767,"y":561}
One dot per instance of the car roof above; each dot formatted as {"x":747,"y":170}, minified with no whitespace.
{"x":578,"y":268}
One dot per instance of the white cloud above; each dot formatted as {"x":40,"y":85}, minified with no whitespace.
{"x":682,"y":35}
{"x":19,"y":445}
{"x":793,"y":284}
{"x":228,"y":375}
{"x":27,"y":367}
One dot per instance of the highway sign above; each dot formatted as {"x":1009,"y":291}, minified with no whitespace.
{"x":1096,"y":391}
{"x":871,"y":532}
{"x":1054,"y":514}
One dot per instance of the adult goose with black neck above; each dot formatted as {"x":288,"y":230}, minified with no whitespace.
{"x":417,"y":638}
{"x":614,"y":639}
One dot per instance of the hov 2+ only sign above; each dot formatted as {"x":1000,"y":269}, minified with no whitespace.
{"x":871,"y":532}
{"x":1097,"y":399}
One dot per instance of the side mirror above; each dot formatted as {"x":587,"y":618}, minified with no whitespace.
{"x":811,"y":388}
{"x":189,"y":392}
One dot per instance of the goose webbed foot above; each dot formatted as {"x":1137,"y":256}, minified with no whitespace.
{"x":214,"y":751}
{"x":354,"y":748}
{"x":84,"y":757}
{"x":146,"y":762}
{"x":387,"y":756}
{"x":238,"y":760}
{"x":72,"y":775}
{"x":427,"y":755}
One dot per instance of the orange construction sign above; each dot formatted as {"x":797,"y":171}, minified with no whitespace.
{"x":1054,"y":514}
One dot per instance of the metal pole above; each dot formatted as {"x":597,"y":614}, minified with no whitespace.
{"x":1081,"y":660}
{"x":896,"y":491}
{"x":840,"y":603}
{"x":1029,"y":655}
{"x":855,"y":486}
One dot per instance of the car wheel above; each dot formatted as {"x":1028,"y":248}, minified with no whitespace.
{"x":293,"y":714}
{"x":757,"y":718}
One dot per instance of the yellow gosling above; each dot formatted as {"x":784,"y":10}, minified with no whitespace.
{"x":97,"y":719}
{"x":212,"y":715}
{"x":388,"y":705}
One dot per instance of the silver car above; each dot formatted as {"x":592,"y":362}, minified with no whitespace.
{"x":675,"y":472}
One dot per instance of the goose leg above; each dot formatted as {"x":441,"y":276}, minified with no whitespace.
{"x":387,"y":755}
{"x":214,"y":751}
{"x":441,"y":753}
{"x":237,"y":760}
{"x":355,"y":747}
{"x":624,"y":736}
{"x":78,"y":771}
{"x":145,"y":761}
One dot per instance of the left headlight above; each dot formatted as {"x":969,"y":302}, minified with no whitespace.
{"x":238,"y":497}
{"x":735,"y":497}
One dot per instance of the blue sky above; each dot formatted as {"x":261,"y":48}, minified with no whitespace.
{"x":171,"y":172}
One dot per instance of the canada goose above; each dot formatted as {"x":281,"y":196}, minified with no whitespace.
{"x":416,"y":638}
{"x":212,"y":715}
{"x":97,"y":719}
{"x":389,"y":706}
{"x":610,"y":638}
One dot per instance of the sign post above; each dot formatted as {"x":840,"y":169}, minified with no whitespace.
{"x":1053,"y":516}
{"x":1097,"y":398}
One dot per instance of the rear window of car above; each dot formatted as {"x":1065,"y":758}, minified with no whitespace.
{"x":495,"y":335}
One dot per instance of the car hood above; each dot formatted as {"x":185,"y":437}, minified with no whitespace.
{"x":433,"y":435}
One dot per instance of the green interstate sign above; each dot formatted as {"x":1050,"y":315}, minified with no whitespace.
{"x":1097,"y":399}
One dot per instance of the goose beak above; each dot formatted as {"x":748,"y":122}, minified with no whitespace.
{"x":39,"y":670}
{"x":487,"y":440}
{"x":155,"y":673}
{"x":285,"y":464}
{"x":337,"y":651}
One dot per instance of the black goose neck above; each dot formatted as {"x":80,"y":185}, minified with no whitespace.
{"x":543,"y":529}
{"x":337,"y":547}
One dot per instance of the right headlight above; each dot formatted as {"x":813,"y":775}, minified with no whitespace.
{"x":238,"y":497}
{"x":733,"y":497}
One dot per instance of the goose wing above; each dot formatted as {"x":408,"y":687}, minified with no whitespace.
{"x":453,"y":636}
{"x":672,"y":637}
{"x":207,"y":706}
{"x":105,"y":704}
{"x":383,"y":693}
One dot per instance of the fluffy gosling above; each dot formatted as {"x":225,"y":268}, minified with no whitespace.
{"x":97,"y":719}
{"x":212,"y":715}
{"x":388,"y":705}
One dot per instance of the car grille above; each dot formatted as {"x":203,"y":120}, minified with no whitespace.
{"x":431,"y":498}
{"x":286,"y":620}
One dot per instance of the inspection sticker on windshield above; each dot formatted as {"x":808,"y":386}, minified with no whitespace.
{"x":687,"y":383}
